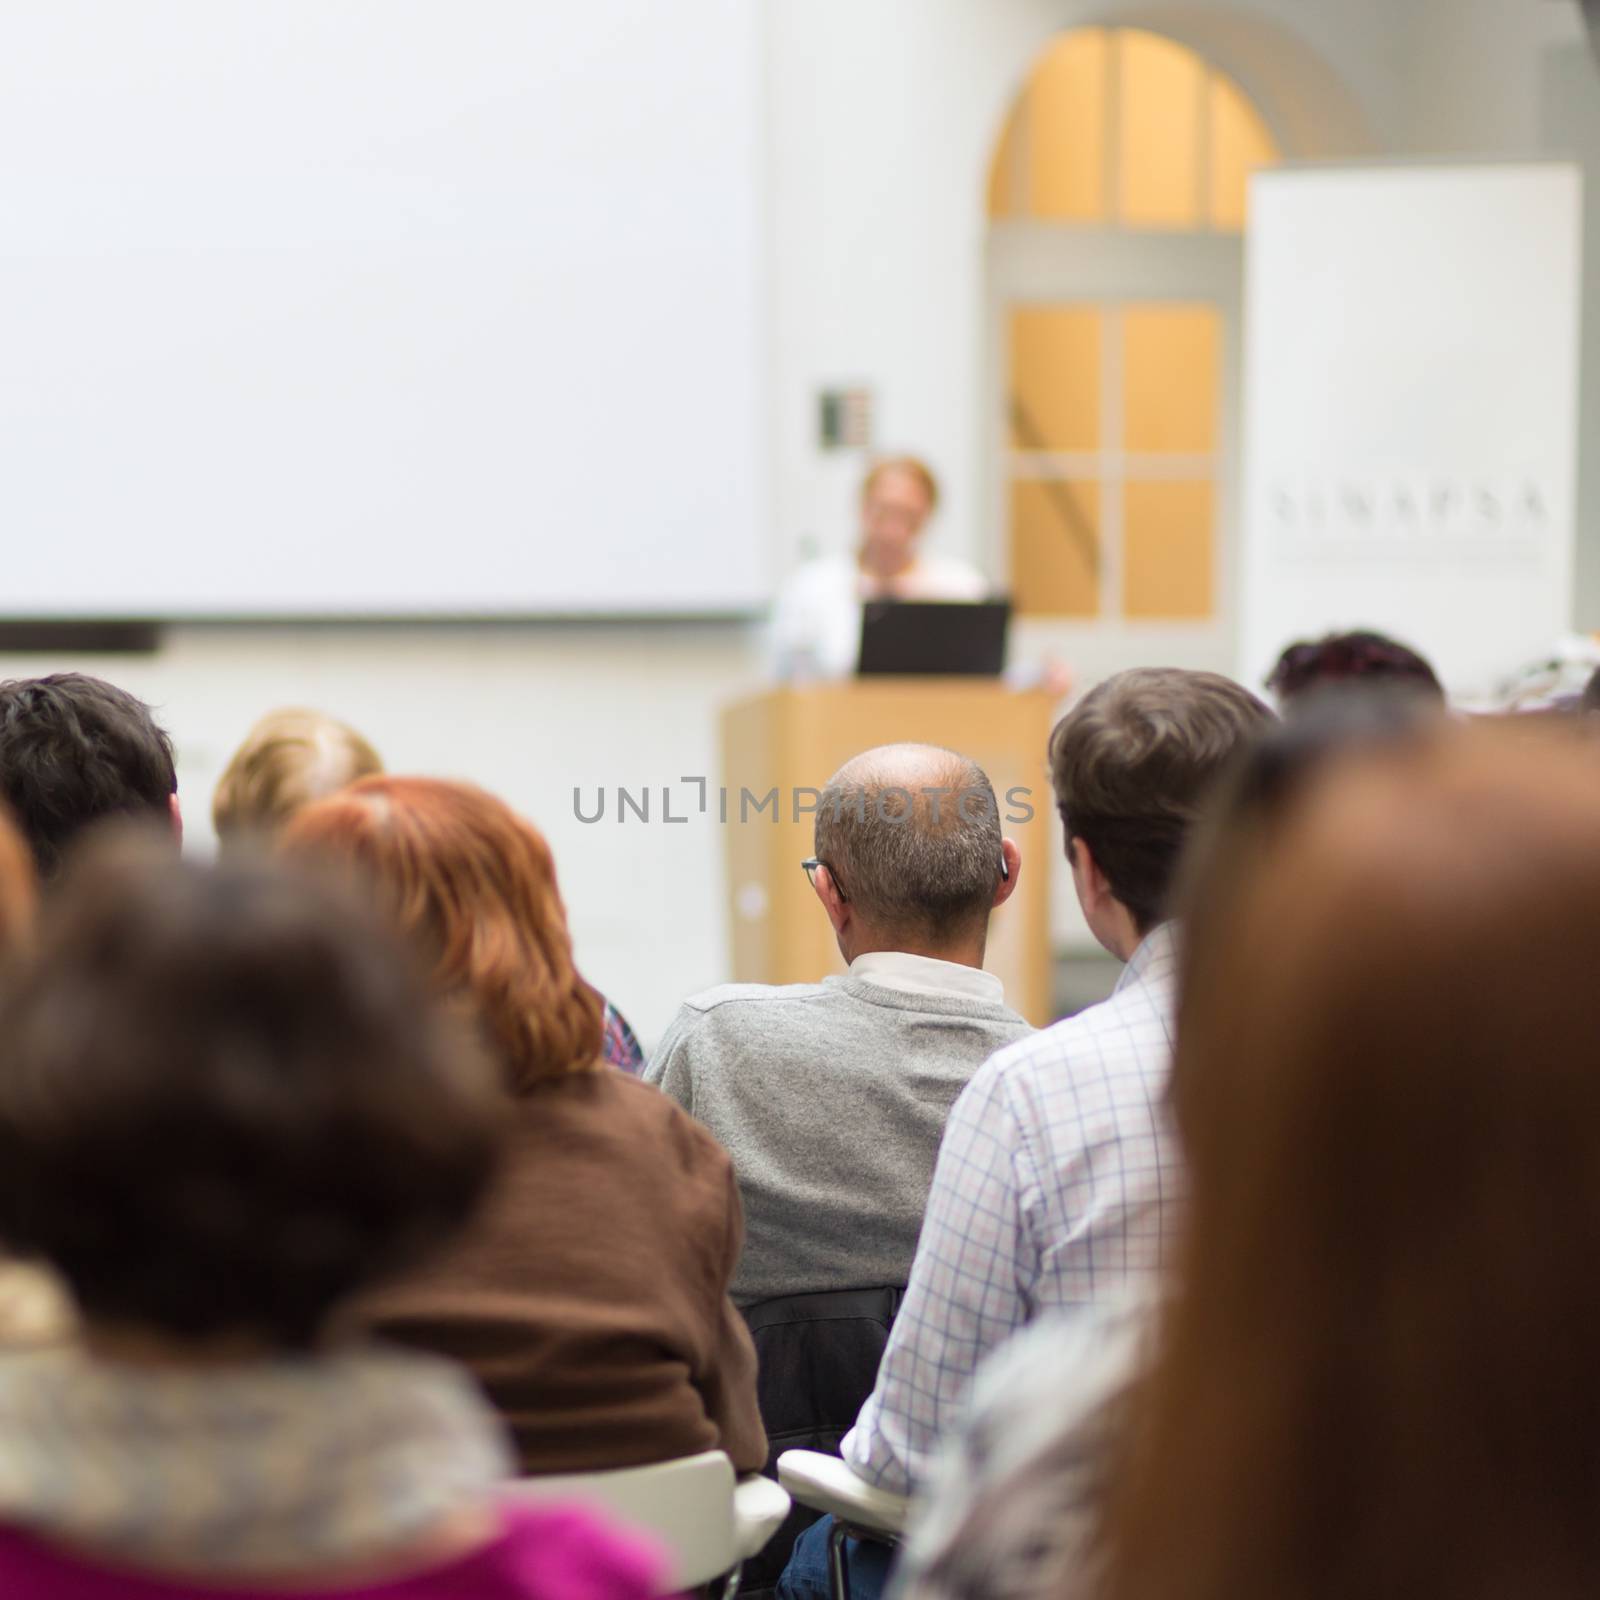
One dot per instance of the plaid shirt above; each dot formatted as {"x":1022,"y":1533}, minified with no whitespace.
{"x":618,"y":1044}
{"x":1056,"y":1186}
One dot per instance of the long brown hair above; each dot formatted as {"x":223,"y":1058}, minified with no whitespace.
{"x":474,"y":887}
{"x":1378,"y":1372}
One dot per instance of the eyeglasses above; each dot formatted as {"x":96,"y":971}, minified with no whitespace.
{"x":809,"y":867}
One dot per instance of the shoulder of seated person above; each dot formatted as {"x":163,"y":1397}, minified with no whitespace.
{"x":1024,"y":1052}
{"x":1043,"y":1051}
{"x":731,"y":996}
{"x":638,"y":1101}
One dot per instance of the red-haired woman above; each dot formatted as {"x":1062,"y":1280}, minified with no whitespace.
{"x":590,"y":1298}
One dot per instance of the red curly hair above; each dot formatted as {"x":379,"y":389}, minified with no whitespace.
{"x":473,"y":886}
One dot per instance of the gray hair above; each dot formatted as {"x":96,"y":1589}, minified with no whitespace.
{"x":911,"y":835}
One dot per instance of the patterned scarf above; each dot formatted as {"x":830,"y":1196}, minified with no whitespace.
{"x":310,"y":1461}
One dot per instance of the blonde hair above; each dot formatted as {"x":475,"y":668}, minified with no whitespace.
{"x":289,"y":759}
{"x":913,"y":467}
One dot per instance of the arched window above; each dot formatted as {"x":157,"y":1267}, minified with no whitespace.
{"x":1117,"y":197}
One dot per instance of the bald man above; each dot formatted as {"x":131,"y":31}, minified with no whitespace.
{"x":831,"y":1097}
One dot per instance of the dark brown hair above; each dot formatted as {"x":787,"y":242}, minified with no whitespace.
{"x":1343,"y":660}
{"x":1131,"y":764}
{"x":226,"y":1101}
{"x":473,"y":887}
{"x":74,"y":751}
{"x":1376,"y":1372}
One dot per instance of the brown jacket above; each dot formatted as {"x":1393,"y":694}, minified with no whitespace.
{"x":590,"y":1297}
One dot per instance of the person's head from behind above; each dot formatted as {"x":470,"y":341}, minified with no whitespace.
{"x":288,"y":759}
{"x":473,"y":887}
{"x":1376,"y":1374}
{"x":898,"y":496}
{"x":1132,"y":764}
{"x":910,"y":854}
{"x":75,"y":751}
{"x":227,"y":1103}
{"x":1260,"y":787}
{"x":1359,"y":660}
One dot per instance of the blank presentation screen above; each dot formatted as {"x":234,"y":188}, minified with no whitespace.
{"x":382,"y":308}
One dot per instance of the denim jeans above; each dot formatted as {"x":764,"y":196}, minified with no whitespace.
{"x":806,"y":1576}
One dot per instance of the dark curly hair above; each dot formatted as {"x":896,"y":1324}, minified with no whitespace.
{"x":1361,"y":658}
{"x":75,"y":750}
{"x":226,"y":1102}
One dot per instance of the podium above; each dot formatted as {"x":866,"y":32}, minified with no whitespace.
{"x":781,"y":746}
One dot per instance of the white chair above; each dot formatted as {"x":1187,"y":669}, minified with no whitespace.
{"x":859,"y":1509}
{"x":708,"y":1523}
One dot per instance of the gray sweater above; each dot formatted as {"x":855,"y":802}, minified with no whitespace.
{"x":831,"y":1098}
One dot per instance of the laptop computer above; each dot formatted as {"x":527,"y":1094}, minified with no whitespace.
{"x":925,"y":638}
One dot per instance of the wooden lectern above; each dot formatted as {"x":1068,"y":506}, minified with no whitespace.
{"x":791,"y":740}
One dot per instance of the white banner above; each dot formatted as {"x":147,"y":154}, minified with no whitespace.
{"x":1411,"y":394}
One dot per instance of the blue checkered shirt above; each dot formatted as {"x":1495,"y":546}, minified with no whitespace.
{"x":1057,"y":1186}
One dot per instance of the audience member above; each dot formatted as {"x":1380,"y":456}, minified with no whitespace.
{"x":225,"y":1105}
{"x":1375,"y":1374}
{"x":590,"y":1295}
{"x":1010,"y":1511}
{"x":75,"y":751}
{"x":293,"y":757}
{"x":1057,"y":1185}
{"x":831,"y":1097}
{"x":1344,"y":660}
{"x":288,"y":759}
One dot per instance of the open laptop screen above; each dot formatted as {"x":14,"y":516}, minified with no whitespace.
{"x":917,"y":638}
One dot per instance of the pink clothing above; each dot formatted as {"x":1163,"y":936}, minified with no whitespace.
{"x":542,"y":1554}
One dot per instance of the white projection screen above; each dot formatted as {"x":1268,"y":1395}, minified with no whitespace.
{"x":379,"y":308}
{"x":1411,"y":395}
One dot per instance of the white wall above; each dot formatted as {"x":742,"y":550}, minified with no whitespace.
{"x":1490,"y":78}
{"x":528,"y":712}
{"x":884,"y":114}
{"x":1474,"y":73}
{"x":881,"y":118}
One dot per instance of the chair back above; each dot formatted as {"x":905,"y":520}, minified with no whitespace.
{"x":686,"y":1506}
{"x":818,"y":1357}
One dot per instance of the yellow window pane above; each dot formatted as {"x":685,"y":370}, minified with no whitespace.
{"x":1055,"y":548}
{"x":1055,"y":378}
{"x":1170,"y":377}
{"x":1167,"y":544}
{"x":1158,"y":120}
{"x":1065,"y":157}
{"x":1240,"y":143}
